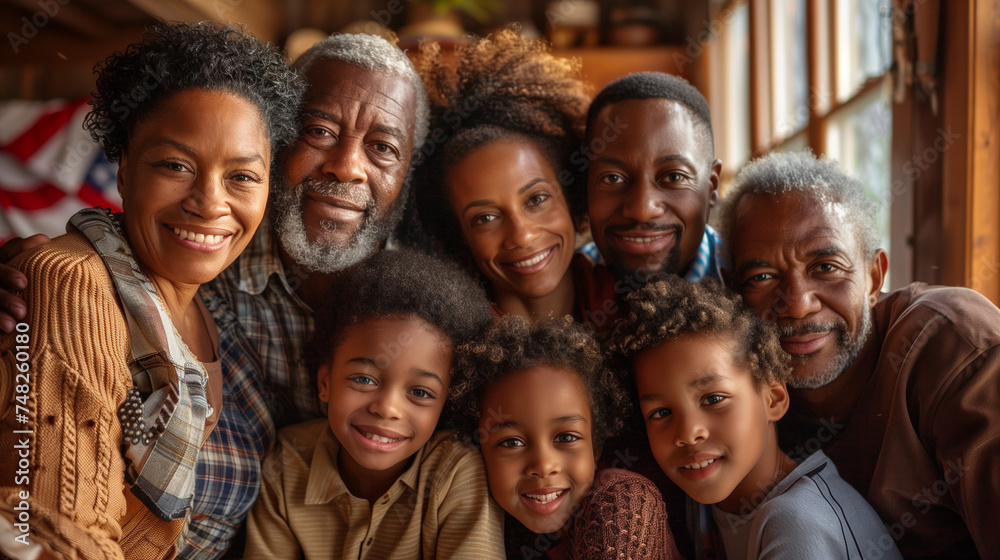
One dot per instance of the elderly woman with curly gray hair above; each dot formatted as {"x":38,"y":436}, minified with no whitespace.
{"x":120,"y":384}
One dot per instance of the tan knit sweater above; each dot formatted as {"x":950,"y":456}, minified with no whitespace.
{"x":78,"y":342}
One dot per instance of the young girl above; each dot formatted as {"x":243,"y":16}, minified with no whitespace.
{"x":499,"y":193}
{"x":375,"y":480}
{"x":710,"y":380}
{"x":538,"y":402}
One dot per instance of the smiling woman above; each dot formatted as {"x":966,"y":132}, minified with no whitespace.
{"x":191,"y":184}
{"x":499,"y":194}
{"x":124,"y":384}
{"x":515,"y":219}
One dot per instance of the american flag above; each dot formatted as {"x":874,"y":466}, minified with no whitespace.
{"x":49,"y":167}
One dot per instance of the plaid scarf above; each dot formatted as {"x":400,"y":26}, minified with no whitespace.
{"x":162,"y":420}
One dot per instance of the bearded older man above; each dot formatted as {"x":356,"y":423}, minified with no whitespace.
{"x":899,"y":389}
{"x":340,"y":194}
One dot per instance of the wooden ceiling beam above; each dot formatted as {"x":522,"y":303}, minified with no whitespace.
{"x":67,"y":15}
{"x":263,"y":18}
{"x":53,"y":49}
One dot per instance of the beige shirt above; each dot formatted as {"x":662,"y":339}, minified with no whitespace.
{"x":439,"y":508}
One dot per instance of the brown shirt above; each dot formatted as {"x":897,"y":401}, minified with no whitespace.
{"x":213,"y":391}
{"x":914,"y":424}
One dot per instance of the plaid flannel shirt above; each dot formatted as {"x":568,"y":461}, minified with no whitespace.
{"x":263,"y":329}
{"x":276,"y":323}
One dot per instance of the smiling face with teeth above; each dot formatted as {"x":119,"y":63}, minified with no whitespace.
{"x":538,"y":445}
{"x":650,"y":190}
{"x":343,"y":176}
{"x":194,"y":184}
{"x":805,"y":268}
{"x":710,"y":427}
{"x":384,"y":405}
{"x":515,"y":219}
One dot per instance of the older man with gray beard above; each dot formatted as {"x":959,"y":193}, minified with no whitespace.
{"x":339,"y":194}
{"x":338,"y":197}
{"x":899,"y":389}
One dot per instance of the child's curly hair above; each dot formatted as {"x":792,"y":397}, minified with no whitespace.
{"x":668,"y":307}
{"x":400,"y":283}
{"x":504,"y":86}
{"x":515,"y":344}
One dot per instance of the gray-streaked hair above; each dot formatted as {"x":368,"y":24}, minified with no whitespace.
{"x":820,"y":179}
{"x":377,"y":55}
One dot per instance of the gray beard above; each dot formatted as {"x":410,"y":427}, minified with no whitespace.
{"x":849,"y":350}
{"x":325,"y":257}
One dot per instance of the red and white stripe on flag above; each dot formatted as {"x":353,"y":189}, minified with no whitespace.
{"x":49,"y":167}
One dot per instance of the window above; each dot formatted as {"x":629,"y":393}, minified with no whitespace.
{"x":859,"y":137}
{"x":731,"y":104}
{"x":816,"y":80}
{"x":864,"y":40}
{"x":789,"y":67}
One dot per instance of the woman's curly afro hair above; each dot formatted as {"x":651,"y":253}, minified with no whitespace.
{"x":500,"y":87}
{"x":514,"y":344}
{"x":668,"y":307}
{"x":173,"y":57}
{"x":400,"y":284}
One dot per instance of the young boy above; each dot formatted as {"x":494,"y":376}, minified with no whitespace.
{"x":374,"y":480}
{"x":710,"y":380}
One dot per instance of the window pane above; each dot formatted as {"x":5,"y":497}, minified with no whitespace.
{"x":738,"y":94}
{"x":790,"y":65}
{"x":864,"y":43}
{"x":796,"y":143}
{"x":862,"y":141}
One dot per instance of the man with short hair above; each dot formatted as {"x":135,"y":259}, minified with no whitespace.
{"x":900,"y":390}
{"x":652,"y":178}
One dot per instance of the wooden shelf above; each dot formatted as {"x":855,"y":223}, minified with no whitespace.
{"x":602,"y":65}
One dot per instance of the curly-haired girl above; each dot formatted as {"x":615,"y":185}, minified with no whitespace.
{"x":710,"y":380}
{"x":497,"y":190}
{"x":539,"y":402}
